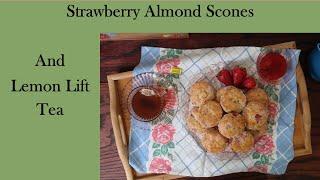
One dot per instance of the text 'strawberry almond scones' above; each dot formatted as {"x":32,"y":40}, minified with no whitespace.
{"x":213,"y":141}
{"x":194,"y":126}
{"x":257,"y":94}
{"x":231,"y":125}
{"x":208,"y":114}
{"x":201,"y":92}
{"x":242,"y":143}
{"x":232,"y":99}
{"x":256,"y":115}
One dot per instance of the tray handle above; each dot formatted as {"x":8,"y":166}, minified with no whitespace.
{"x":122,"y":131}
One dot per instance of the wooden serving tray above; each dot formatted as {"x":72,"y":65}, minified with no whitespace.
{"x":142,"y":36}
{"x":121,"y":119}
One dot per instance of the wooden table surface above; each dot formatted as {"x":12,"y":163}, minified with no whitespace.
{"x":123,"y":56}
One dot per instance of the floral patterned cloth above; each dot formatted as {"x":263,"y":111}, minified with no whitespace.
{"x":165,"y":146}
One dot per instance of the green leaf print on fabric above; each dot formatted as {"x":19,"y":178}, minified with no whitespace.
{"x":155,"y":145}
{"x":171,"y":145}
{"x":255,"y":155}
{"x":264,"y":159}
{"x":170,"y":156}
{"x":275,"y":97}
{"x":157,"y":152}
{"x":164,"y":149}
{"x":271,"y":91}
{"x":170,"y":53}
{"x":270,"y":128}
{"x":258,"y":163}
{"x":178,"y":51}
{"x":175,"y":76}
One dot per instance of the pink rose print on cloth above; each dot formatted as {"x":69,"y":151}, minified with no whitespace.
{"x":170,"y":99}
{"x":163,"y":133}
{"x":159,"y":165}
{"x":259,"y":168}
{"x":264,"y":144}
{"x":273,"y":110}
{"x":164,"y":66}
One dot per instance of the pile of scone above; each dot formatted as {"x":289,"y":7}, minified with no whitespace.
{"x":227,"y":118}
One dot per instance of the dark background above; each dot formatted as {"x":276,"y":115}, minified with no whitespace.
{"x":121,"y":56}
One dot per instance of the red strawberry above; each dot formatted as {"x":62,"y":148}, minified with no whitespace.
{"x":249,"y":83}
{"x":239,"y":74}
{"x":225,"y":77}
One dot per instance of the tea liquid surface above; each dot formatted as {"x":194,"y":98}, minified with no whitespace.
{"x":147,"y":107}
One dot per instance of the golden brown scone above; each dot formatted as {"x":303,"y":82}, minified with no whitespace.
{"x":231,"y":125}
{"x":232,"y":99}
{"x":220,"y":92}
{"x":208,"y":114}
{"x":257,"y":94}
{"x":213,"y":141}
{"x":256,"y":115}
{"x":258,"y":133}
{"x":242,"y":143}
{"x":201,"y":92}
{"x":194,"y":126}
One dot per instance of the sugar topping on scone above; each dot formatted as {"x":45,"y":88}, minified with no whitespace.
{"x":257,"y":94}
{"x":232,"y":99}
{"x":200,"y":92}
{"x":231,"y":125}
{"x":242,"y":143}
{"x":213,"y":141}
{"x":208,"y":114}
{"x":256,"y":115}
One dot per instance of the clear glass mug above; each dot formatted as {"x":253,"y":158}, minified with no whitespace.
{"x":146,"y":103}
{"x":274,"y":66}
